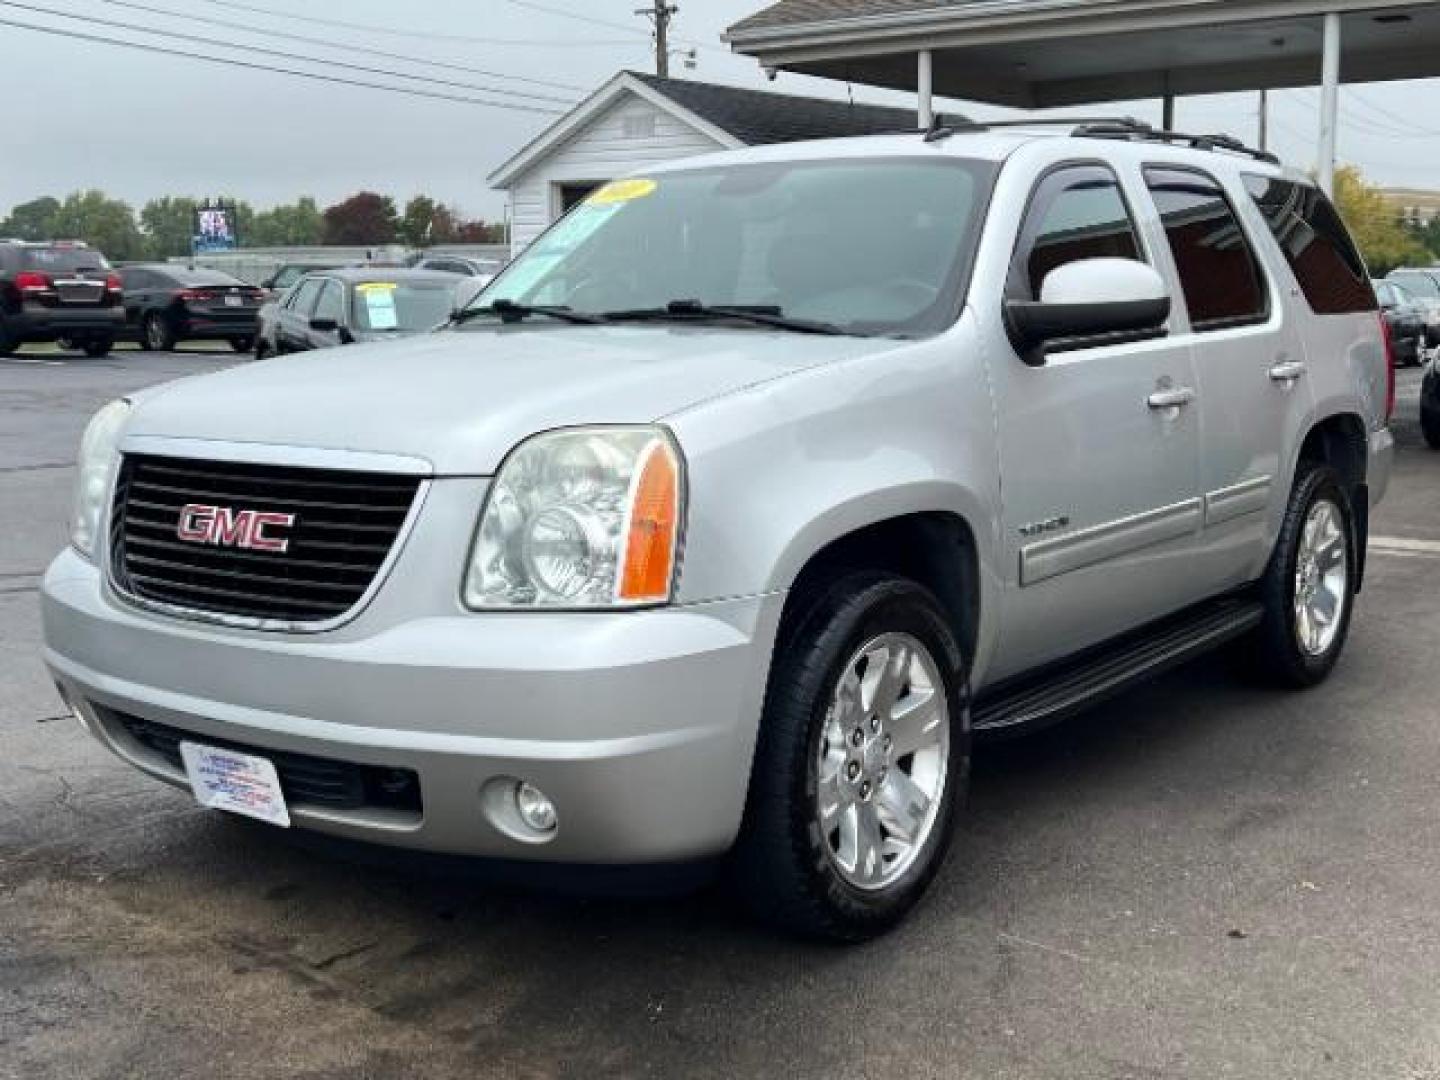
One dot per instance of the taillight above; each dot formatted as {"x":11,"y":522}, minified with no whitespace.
{"x":112,"y":283}
{"x":190,"y":294}
{"x":32,"y":281}
{"x":1389,"y":340}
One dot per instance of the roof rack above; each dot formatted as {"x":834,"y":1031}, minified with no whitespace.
{"x":1110,"y":127}
{"x":1135,"y":130}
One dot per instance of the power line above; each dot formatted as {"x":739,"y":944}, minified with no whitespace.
{"x":258,"y":50}
{"x":534,"y":5}
{"x":348,"y":46}
{"x":394,"y":31}
{"x":77,"y":35}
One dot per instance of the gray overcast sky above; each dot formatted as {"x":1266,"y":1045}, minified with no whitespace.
{"x":138,"y":125}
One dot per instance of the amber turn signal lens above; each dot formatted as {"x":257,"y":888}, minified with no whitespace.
{"x":654,"y":520}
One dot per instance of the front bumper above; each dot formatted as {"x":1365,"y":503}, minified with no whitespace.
{"x":640,"y":726}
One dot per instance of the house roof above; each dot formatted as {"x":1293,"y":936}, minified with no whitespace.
{"x":1046,"y":53}
{"x":757,"y":117}
{"x":733,"y":116}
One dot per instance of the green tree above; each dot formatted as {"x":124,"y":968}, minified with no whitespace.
{"x":364,"y":218}
{"x":33,"y":220}
{"x":1383,"y":239}
{"x":418,"y":220}
{"x":168,"y":224}
{"x":298,"y":224}
{"x":104,"y":223}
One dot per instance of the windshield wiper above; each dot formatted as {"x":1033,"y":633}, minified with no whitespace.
{"x":758,"y":314}
{"x":512,"y":312}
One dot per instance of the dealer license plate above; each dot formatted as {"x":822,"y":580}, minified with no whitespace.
{"x":240,"y":783}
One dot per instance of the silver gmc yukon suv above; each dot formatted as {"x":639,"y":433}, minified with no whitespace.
{"x":722,"y":521}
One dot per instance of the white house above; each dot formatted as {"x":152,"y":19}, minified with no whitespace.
{"x":637,"y":120}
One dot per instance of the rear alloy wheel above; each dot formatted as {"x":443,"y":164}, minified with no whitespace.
{"x":157,"y":333}
{"x":98,"y":347}
{"x":242,"y":344}
{"x":862,"y":762}
{"x":1309,"y":588}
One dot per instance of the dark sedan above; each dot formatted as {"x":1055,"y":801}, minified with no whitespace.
{"x":1406,"y":320}
{"x":1430,"y":403}
{"x":166,"y":304}
{"x":341,"y":307}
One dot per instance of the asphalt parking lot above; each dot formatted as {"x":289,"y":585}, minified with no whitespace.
{"x":1198,"y":880}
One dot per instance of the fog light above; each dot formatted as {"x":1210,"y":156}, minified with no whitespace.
{"x":534,"y":807}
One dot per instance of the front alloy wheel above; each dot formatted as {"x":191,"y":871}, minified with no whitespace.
{"x":881,"y":760}
{"x":862,"y":760}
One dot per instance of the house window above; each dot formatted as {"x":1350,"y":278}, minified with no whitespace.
{"x":638,"y":126}
{"x":571,"y":194}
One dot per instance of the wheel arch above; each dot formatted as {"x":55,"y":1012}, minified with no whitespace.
{"x":1340,"y":440}
{"x":931,"y":543}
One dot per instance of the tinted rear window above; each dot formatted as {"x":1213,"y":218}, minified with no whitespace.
{"x":1219,"y":272}
{"x":62,"y":260}
{"x":1316,"y":244}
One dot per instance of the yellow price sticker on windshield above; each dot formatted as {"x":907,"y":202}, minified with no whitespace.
{"x":622,"y":191}
{"x":376,"y":286}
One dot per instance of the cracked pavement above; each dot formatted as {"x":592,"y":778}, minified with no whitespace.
{"x":1198,"y":880}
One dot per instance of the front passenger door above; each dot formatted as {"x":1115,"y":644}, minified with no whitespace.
{"x":1099,"y":483}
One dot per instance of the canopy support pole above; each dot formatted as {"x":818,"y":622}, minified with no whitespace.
{"x":1329,"y":104}
{"x":925,"y":87}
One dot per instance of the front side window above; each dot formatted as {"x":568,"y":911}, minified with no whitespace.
{"x":1316,"y":244}
{"x":873,"y":247}
{"x":1219,"y":272}
{"x":331,"y":304}
{"x":303,"y":298}
{"x":1077,"y":212}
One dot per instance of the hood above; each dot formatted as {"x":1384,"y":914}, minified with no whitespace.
{"x":461,"y":400}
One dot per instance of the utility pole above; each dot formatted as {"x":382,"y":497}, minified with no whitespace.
{"x":1264,"y":119}
{"x":660,"y":14}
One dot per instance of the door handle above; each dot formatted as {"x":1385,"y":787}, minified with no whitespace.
{"x":1173,"y":399}
{"x":1287,"y":372}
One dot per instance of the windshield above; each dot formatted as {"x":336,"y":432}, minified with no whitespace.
{"x":402,"y":306}
{"x":1419,"y":285}
{"x":873,"y":247}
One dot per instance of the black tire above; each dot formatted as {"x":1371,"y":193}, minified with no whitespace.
{"x":98,"y":347}
{"x":8,"y":345}
{"x":1430,"y":409}
{"x":1275,"y":654}
{"x":782,"y":865}
{"x":262,"y":349}
{"x":242,"y":344}
{"x":156,"y":333}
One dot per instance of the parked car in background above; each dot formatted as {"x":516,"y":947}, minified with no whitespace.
{"x":166,"y":303}
{"x":1430,"y":402}
{"x":699,"y":538}
{"x":1406,"y":320}
{"x":59,"y":291}
{"x":341,"y":307}
{"x":485,"y":269}
{"x":1422,"y":284}
{"x":286,"y":275}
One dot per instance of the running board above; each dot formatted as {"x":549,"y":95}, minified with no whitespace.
{"x":1059,"y":691}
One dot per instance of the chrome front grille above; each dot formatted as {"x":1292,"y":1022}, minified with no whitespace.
{"x":271,"y":545}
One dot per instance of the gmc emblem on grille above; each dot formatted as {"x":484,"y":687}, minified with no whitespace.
{"x":227,"y":527}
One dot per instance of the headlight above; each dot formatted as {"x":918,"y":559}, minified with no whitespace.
{"x":582,"y":518}
{"x":99,"y":454}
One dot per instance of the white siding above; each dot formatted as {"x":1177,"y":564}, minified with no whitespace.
{"x":629,"y":135}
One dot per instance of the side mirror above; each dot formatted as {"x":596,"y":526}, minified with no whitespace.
{"x":1087,"y":303}
{"x":324,"y":326}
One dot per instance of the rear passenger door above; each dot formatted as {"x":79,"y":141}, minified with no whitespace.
{"x":1099,"y":487}
{"x":1254,"y":400}
{"x":293,"y":329}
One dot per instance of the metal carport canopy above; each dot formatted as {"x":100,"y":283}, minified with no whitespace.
{"x":1041,"y":53}
{"x":1045,"y":53}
